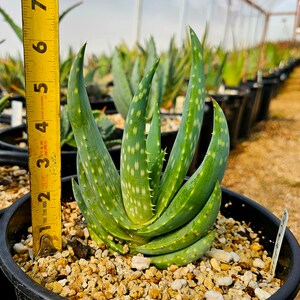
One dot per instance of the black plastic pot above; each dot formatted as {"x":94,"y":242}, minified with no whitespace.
{"x":251,"y":107}
{"x":5,"y":118}
{"x":19,"y":159}
{"x":10,"y":137}
{"x":17,"y":219}
{"x":107,"y":104}
{"x":233,"y":106}
{"x":268,"y":92}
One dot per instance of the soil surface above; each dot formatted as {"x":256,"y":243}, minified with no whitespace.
{"x":266,"y":166}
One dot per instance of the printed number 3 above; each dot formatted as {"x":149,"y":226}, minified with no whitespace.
{"x":42,"y":161}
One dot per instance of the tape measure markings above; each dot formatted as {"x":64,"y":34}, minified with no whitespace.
{"x":41,"y":59}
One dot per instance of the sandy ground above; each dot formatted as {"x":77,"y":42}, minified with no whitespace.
{"x":266,"y":167}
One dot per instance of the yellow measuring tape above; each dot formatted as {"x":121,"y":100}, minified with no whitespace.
{"x":41,"y":60}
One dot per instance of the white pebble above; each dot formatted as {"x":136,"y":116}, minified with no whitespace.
{"x":63,"y":282}
{"x":140,"y":262}
{"x":86,"y":233}
{"x":213,"y":295}
{"x":247,"y":297}
{"x":220,"y":255}
{"x":253,"y":284}
{"x":261,"y":294}
{"x":178,"y":284}
{"x":235,"y":257}
{"x":225,"y":280}
{"x":20,"y":248}
{"x":222,"y":240}
{"x":258,"y":263}
{"x":247,"y":277}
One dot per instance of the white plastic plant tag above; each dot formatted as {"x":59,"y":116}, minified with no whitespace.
{"x":278,"y":242}
{"x":17,"y":113}
{"x":179,"y":104}
{"x":259,"y":76}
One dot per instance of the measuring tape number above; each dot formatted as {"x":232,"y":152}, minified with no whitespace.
{"x":41,"y":60}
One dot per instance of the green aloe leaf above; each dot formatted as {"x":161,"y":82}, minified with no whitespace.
{"x":97,"y":163}
{"x":122,"y":93}
{"x":155,"y":154}
{"x":134,"y":167}
{"x":188,"y":134}
{"x":17,"y":29}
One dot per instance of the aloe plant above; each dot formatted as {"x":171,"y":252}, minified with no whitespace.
{"x":106,"y":127}
{"x":168,"y":81}
{"x":233,"y":71}
{"x":140,"y":209}
{"x":127,"y":75}
{"x":4,"y":102}
{"x":12,"y":78}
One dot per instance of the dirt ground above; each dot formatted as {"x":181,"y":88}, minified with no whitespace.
{"x":266,"y":167}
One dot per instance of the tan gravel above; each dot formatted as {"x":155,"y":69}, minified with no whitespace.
{"x":236,"y":267}
{"x":14,"y":183}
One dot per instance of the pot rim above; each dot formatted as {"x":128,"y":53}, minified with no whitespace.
{"x":24,"y":283}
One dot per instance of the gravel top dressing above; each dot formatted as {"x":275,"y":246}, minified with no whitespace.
{"x":236,"y":267}
{"x":14,"y":183}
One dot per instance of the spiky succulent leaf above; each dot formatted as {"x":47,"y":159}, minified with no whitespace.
{"x":64,"y":125}
{"x":97,"y":210}
{"x":135,"y":76}
{"x":155,"y":154}
{"x":134,"y":167}
{"x":17,"y":29}
{"x":193,"y":195}
{"x":4,"y":101}
{"x":96,"y":230}
{"x":185,"y":256}
{"x":122,"y":93}
{"x":97,"y":163}
{"x":189,"y":233}
{"x":188,"y":134}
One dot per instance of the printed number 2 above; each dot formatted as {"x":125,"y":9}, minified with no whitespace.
{"x":44,"y":195}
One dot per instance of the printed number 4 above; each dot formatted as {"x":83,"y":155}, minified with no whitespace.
{"x":41,"y":126}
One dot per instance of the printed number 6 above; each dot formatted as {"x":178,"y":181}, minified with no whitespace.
{"x":40,"y":47}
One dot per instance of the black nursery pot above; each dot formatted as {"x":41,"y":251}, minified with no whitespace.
{"x":233,"y":106}
{"x":251,"y":108}
{"x":10,"y":137}
{"x":17,"y":219}
{"x":269,"y":91}
{"x":107,"y":104}
{"x":18,"y":159}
